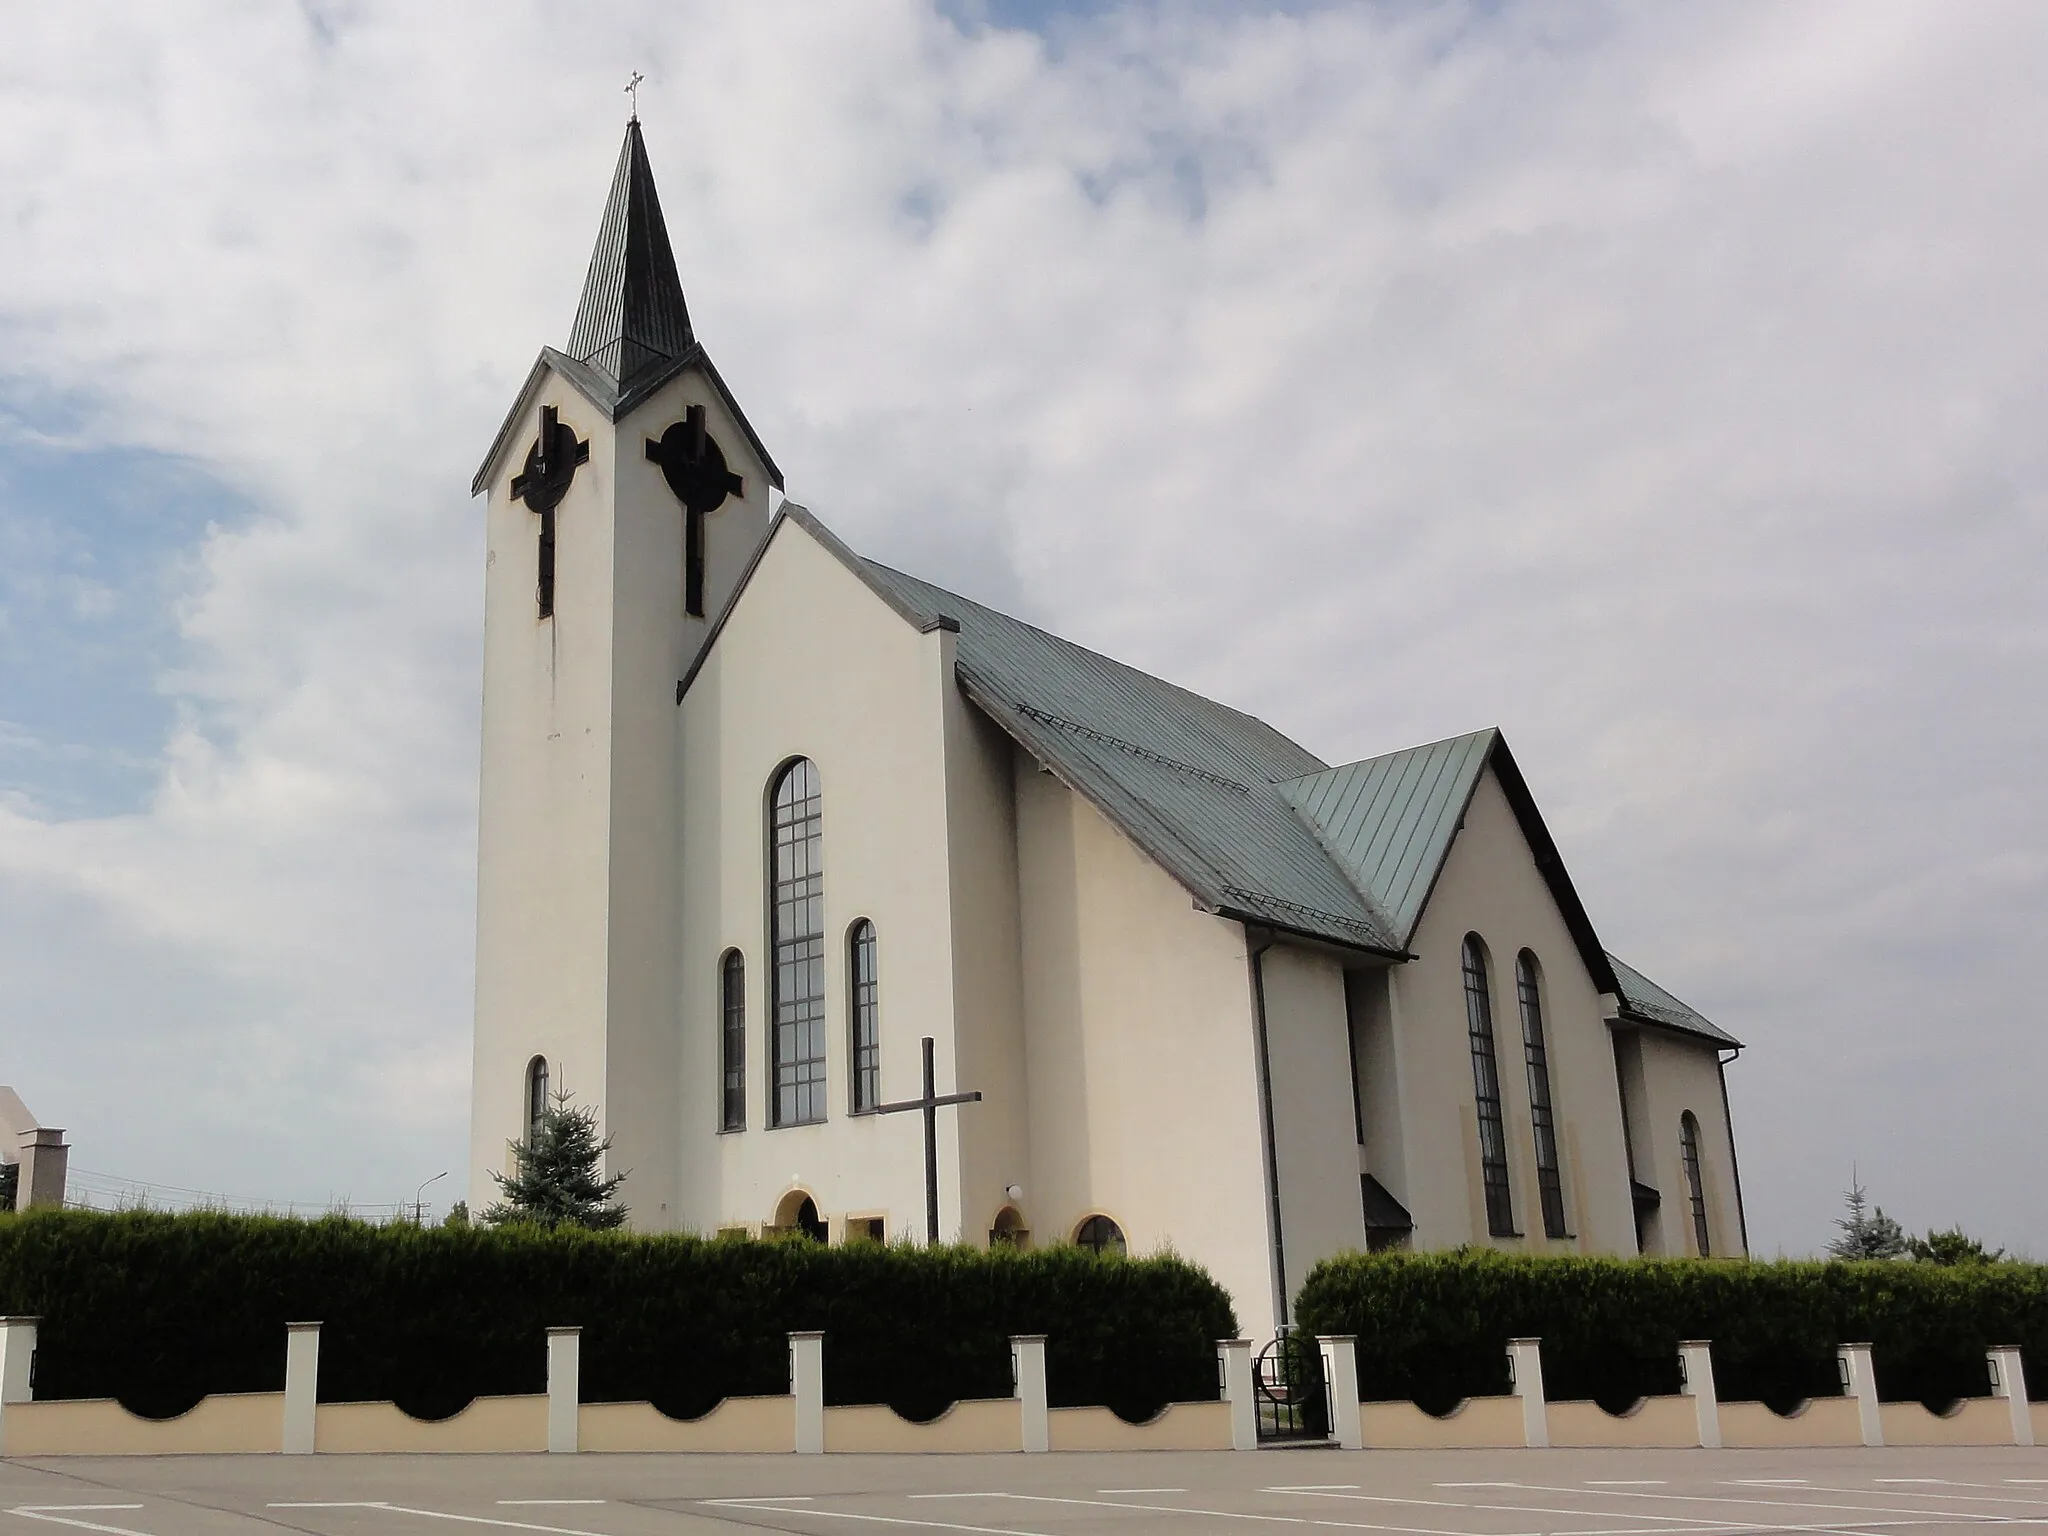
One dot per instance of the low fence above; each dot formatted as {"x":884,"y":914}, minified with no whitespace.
{"x":295,"y":1421}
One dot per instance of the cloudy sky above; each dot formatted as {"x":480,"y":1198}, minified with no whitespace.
{"x":1665,"y":385}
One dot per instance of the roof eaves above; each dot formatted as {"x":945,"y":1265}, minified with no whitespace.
{"x":599,"y":391}
{"x":1550,"y":864}
{"x":1705,"y":1029}
{"x":1134,"y":822}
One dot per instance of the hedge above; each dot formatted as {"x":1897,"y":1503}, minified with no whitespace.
{"x":1434,"y":1327}
{"x":159,"y":1310}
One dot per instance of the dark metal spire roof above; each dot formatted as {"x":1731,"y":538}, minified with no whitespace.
{"x":632,"y":319}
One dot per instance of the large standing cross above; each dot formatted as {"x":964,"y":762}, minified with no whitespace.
{"x":931,"y":1103}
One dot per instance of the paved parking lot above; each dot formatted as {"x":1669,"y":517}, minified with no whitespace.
{"x":1439,"y":1493}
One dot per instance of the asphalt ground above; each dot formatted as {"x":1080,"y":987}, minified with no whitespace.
{"x":1394,"y":1493}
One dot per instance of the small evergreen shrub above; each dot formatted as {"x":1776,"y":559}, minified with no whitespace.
{"x":1434,"y":1327}
{"x":160,"y":1310}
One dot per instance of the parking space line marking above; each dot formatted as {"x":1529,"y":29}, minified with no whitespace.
{"x":953,"y":1495}
{"x":842,"y":1514}
{"x":1236,"y":1514}
{"x":1307,"y":1488}
{"x":28,"y":1513}
{"x":1907,"y":1493}
{"x":1766,"y":1482}
{"x":1713,"y":1498}
{"x":1625,"y":1482}
{"x":510,"y":1525}
{"x":30,"y":1509}
{"x":1909,"y":1479}
{"x":549,"y":1501}
{"x":331,"y":1504}
{"x":1532,"y":1509}
{"x":1475,"y":1485}
{"x":1141,"y":1490}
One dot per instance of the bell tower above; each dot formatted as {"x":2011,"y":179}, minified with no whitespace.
{"x":625,"y":495}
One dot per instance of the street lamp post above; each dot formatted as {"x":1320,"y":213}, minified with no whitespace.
{"x":419,"y":1205}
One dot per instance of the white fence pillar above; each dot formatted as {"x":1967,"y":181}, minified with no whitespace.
{"x":301,"y":1387}
{"x":17,"y":1367}
{"x":1696,"y":1381}
{"x":2009,"y":1381}
{"x":1859,"y":1380}
{"x":1027,"y":1373}
{"x":1234,"y":1365}
{"x":1525,"y":1370}
{"x":1340,"y":1373}
{"x":807,"y":1386}
{"x":40,"y":1175}
{"x":565,"y":1388}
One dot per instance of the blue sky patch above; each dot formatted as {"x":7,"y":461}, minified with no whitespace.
{"x":94,"y":551}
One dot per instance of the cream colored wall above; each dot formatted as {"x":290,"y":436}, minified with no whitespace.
{"x":1490,"y":886}
{"x":577,"y":899}
{"x":811,"y":663}
{"x":1383,"y":1099}
{"x":1314,"y":1128}
{"x":1139,"y":1050}
{"x":1681,"y":1075}
{"x":988,"y":1007}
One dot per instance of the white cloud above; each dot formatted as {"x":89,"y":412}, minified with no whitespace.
{"x":1661,"y":385}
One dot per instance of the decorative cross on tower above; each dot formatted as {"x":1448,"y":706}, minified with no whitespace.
{"x":931,"y":1103}
{"x":633,"y":95}
{"x":550,"y":466}
{"x":694,"y":466}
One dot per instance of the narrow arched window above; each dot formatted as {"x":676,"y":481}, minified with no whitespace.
{"x":732,"y":1042}
{"x":1695,"y":1187}
{"x":1098,"y":1234}
{"x":863,"y":1003}
{"x":797,"y":968}
{"x":536,"y":1096}
{"x":1541,"y":1114}
{"x":1493,"y":1141}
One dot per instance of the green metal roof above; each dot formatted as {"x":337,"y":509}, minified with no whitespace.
{"x":1646,"y":1002}
{"x":1389,"y":821}
{"x":1254,"y":825}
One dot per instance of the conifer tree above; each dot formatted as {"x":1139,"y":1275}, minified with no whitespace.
{"x":1867,"y":1233}
{"x":555,"y":1180}
{"x":10,"y":1176}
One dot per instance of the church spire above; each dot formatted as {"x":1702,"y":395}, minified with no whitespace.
{"x":631,"y":319}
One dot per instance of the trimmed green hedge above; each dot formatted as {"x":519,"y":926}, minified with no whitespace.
{"x":160,"y":1310}
{"x":1434,"y":1327}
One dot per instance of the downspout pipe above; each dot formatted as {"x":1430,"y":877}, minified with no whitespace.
{"x":1734,"y":1163}
{"x":1255,"y":962}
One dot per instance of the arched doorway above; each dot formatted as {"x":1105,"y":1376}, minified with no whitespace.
{"x":1008,"y":1230}
{"x":798,"y":1212}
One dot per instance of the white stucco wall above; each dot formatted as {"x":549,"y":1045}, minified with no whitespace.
{"x":577,"y":899}
{"x":1139,"y":1049}
{"x":1314,"y":1129}
{"x":1680,"y":1075}
{"x":1490,"y":886}
{"x":811,"y":663}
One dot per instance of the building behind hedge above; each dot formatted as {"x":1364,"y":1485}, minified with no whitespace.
{"x":759,"y":814}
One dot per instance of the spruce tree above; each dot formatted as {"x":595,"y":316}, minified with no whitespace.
{"x":10,"y":1180}
{"x":1867,"y":1233}
{"x":555,"y":1180}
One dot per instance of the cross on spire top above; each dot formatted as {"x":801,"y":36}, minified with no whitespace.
{"x":633,"y":96}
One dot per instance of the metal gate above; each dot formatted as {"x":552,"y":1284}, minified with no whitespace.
{"x":1289,"y":1388}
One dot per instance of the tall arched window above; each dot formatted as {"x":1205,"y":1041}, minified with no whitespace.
{"x":732,"y":1042}
{"x":1493,"y":1141}
{"x":1541,"y":1114}
{"x":536,"y":1095}
{"x":797,"y":966}
{"x":863,"y":1003}
{"x":1689,"y":1155}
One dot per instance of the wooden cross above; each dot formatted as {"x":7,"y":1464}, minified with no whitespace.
{"x":931,"y":1103}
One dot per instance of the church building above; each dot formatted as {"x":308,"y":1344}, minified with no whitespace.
{"x":761,"y":817}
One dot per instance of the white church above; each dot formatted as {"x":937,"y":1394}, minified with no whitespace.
{"x":760,"y":816}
